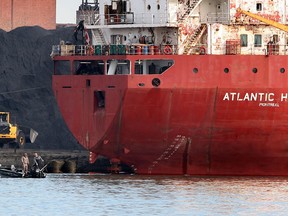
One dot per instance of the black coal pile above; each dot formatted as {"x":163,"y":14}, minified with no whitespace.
{"x":26,"y":84}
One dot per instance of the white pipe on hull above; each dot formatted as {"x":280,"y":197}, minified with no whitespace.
{"x":112,"y":67}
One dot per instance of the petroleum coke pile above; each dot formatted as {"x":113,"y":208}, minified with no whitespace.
{"x":26,"y":84}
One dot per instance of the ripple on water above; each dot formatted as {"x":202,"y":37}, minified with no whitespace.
{"x":73,"y":194}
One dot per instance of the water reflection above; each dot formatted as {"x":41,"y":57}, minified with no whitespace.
{"x":67,"y":194}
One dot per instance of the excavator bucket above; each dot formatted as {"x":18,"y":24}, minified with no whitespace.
{"x":30,"y":134}
{"x":33,"y":135}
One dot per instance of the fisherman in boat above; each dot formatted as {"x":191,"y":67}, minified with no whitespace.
{"x":13,"y":168}
{"x":25,"y":164}
{"x":38,"y":162}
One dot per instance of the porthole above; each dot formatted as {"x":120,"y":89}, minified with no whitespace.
{"x":254,"y":70}
{"x":226,"y":70}
{"x":282,"y":70}
{"x":149,"y":7}
{"x":141,"y":84}
{"x":195,"y":70}
{"x":156,"y":82}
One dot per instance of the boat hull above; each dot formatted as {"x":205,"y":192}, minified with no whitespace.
{"x":8,"y":173}
{"x":204,"y":122}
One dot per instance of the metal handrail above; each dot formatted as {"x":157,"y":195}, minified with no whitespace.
{"x":136,"y":49}
{"x":128,"y":18}
{"x":113,"y":49}
{"x":217,"y":18}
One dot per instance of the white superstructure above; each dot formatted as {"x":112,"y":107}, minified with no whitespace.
{"x":189,"y":26}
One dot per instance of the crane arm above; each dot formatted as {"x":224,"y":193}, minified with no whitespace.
{"x":262,"y":19}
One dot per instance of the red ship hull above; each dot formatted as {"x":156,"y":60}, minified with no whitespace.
{"x":210,"y":115}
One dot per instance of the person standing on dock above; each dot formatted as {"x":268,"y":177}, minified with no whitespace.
{"x":25,"y":163}
{"x":38,"y":161}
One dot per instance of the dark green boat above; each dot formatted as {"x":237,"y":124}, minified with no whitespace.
{"x":16,"y":173}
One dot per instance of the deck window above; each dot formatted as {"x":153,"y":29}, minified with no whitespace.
{"x":152,"y":66}
{"x":118,"y":67}
{"x":3,"y":117}
{"x":244,"y":40}
{"x":89,"y":67}
{"x":62,"y":68}
{"x":257,"y":40}
{"x":259,"y":6}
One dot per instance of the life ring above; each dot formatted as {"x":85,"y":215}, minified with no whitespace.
{"x":167,"y":50}
{"x":202,"y":51}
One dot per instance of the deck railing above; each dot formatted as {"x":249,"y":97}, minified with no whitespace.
{"x":128,"y":18}
{"x":211,"y":18}
{"x":113,"y":49}
{"x":137,"y":49}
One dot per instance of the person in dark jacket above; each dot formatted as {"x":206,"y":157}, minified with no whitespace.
{"x":38,"y":161}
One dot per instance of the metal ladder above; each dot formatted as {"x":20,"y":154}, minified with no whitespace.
{"x":191,"y":40}
{"x":169,"y":151}
{"x":189,"y":10}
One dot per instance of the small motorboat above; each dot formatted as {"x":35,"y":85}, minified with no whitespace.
{"x":16,"y":173}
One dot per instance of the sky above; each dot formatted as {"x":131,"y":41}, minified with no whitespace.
{"x":66,"y":10}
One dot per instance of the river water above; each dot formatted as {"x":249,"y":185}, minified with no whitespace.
{"x":78,"y":194}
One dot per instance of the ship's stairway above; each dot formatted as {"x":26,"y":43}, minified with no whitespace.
{"x":87,"y":16}
{"x":90,"y":17}
{"x":168,"y":152}
{"x":98,"y":37}
{"x":189,"y":10}
{"x":97,"y":33}
{"x":191,"y":40}
{"x":97,"y":19}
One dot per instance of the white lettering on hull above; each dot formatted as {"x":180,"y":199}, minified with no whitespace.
{"x":265,"y":99}
{"x":284,"y":96}
{"x":269,"y":104}
{"x":233,"y":96}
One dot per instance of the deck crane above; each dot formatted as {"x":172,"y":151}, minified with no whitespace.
{"x":272,"y":48}
{"x":262,"y":19}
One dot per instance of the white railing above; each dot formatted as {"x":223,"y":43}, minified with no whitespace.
{"x":217,"y":18}
{"x":129,"y":18}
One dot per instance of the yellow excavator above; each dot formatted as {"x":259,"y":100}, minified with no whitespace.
{"x":262,"y":19}
{"x":14,"y":135}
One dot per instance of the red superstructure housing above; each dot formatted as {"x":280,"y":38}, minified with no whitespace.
{"x":187,"y":106}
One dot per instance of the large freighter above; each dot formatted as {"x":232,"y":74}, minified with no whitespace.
{"x":179,"y":87}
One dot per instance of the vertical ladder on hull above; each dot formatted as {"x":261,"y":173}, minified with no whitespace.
{"x":169,"y":152}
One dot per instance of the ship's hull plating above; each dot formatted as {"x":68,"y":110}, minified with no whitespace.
{"x":209,"y":122}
